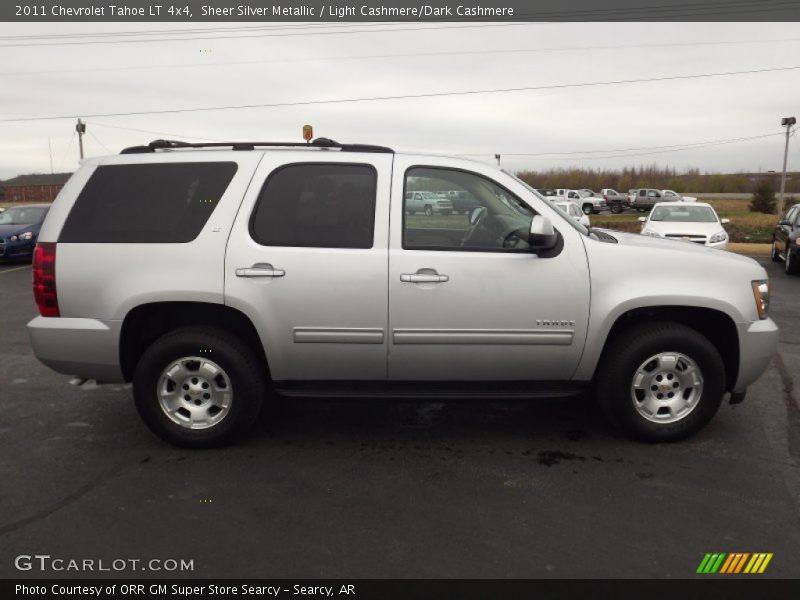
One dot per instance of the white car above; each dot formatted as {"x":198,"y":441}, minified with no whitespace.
{"x":696,"y":222}
{"x":673,"y":196}
{"x":574,"y":211}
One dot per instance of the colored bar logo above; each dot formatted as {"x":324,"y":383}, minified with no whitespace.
{"x":734,"y":563}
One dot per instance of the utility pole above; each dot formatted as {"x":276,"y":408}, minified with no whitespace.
{"x":785,"y":122}
{"x":50,"y":149}
{"x":497,"y":156}
{"x":81,"y":129}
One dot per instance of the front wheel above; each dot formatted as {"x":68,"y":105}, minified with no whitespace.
{"x":588,"y":209}
{"x":791,"y":266}
{"x":199,"y":387}
{"x":428,"y":210}
{"x":616,"y":209}
{"x":775,"y":256}
{"x":661,"y":382}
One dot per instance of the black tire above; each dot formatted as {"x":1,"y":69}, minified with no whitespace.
{"x":791,"y":264}
{"x":247,"y":380}
{"x":776,"y":257}
{"x":616,"y":209}
{"x":588,"y":209}
{"x":428,"y":210}
{"x":627,"y":351}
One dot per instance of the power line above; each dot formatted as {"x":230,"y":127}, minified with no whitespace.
{"x":627,"y":155}
{"x":406,"y":96}
{"x":96,"y":139}
{"x":401,"y":55}
{"x":549,"y":155}
{"x":173,"y":135}
{"x":263,"y":35}
{"x":63,"y":156}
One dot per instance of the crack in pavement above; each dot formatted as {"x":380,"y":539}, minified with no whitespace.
{"x":65,"y":501}
{"x":792,"y":409}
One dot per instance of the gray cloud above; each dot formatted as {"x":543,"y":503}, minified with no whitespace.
{"x":598,"y":118}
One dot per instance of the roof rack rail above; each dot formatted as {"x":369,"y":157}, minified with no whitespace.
{"x":323,"y":143}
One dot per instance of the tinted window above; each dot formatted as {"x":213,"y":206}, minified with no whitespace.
{"x":317,"y":206}
{"x":148,"y":203}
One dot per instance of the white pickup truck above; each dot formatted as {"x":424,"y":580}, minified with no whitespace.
{"x":589,"y":203}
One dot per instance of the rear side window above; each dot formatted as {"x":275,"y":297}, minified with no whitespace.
{"x":148,"y":203}
{"x":317,"y":206}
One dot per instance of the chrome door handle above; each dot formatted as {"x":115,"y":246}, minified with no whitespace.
{"x":423,"y":278}
{"x":260,"y":270}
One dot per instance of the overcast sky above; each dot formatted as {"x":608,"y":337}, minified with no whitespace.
{"x":603,"y":120}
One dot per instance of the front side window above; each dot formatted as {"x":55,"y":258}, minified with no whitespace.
{"x":488,"y":218}
{"x":147,"y":203}
{"x":317,"y":205}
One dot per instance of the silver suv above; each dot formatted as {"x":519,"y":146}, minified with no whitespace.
{"x":217,"y":276}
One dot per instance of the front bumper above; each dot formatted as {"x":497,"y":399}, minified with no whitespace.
{"x":22,"y":249}
{"x":87,"y":348}
{"x":758,"y":342}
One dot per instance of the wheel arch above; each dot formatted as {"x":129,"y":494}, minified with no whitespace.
{"x":717,"y":326}
{"x":147,"y":322}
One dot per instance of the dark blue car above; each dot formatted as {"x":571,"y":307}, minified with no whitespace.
{"x":19,"y":229}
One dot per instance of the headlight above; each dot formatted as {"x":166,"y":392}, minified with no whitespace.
{"x":718,"y":237}
{"x":651,"y":233}
{"x":13,"y":238}
{"x":27,"y":235}
{"x":761,"y":295}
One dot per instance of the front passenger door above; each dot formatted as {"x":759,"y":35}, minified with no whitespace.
{"x":468,"y":300}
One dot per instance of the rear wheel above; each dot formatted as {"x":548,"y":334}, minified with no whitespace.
{"x":428,"y":210}
{"x":199,"y":387}
{"x":661,"y":382}
{"x":616,"y":209}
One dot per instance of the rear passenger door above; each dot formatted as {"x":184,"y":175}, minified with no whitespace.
{"x":307,"y":261}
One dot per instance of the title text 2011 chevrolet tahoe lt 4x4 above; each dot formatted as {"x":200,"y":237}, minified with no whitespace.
{"x":213,"y":276}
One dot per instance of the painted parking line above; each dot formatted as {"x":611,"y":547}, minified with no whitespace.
{"x":15,"y":269}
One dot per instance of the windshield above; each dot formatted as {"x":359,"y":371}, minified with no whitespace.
{"x":23,"y":215}
{"x":684,"y":214}
{"x":572,"y":222}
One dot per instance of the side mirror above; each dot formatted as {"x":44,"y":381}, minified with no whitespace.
{"x":542,"y":235}
{"x":476,"y":215}
{"x":724,"y":221}
{"x":642,"y":219}
{"x":785,"y":223}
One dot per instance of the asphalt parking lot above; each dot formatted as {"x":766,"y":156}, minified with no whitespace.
{"x":351,"y":490}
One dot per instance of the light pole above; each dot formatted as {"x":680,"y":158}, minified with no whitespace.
{"x":785,"y":122}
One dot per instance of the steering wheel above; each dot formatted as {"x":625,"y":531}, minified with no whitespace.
{"x":475,"y":219}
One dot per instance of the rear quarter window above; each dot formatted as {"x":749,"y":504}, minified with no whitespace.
{"x":147,"y":203}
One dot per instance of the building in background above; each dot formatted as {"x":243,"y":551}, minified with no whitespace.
{"x":33,"y":188}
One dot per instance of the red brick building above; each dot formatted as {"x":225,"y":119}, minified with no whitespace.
{"x":33,"y":188}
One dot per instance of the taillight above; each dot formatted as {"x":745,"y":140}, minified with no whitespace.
{"x":44,"y":279}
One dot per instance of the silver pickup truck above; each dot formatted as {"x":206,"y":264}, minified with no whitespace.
{"x":216,"y":276}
